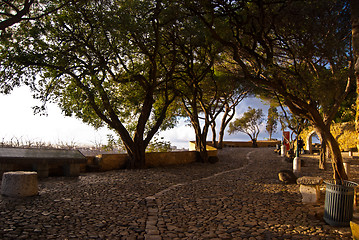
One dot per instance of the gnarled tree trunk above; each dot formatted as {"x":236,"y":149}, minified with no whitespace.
{"x":336,"y":155}
{"x":355,"y":43}
{"x":137,"y":158}
{"x":323,"y":152}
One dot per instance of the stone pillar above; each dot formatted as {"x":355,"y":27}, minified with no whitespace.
{"x":19,"y":184}
{"x":282,"y":150}
{"x":296,"y":165}
{"x":350,"y":153}
{"x":309,"y":145}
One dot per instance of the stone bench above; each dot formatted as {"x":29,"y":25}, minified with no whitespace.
{"x":309,"y":188}
{"x":19,"y":184}
{"x":40,"y":160}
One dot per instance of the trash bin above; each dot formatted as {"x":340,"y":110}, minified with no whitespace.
{"x":338,"y":205}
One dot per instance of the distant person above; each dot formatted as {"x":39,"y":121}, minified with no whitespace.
{"x":300,"y":144}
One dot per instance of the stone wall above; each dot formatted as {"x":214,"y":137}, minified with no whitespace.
{"x":264,"y":143}
{"x":212,"y":152}
{"x":261,"y":143}
{"x":109,"y":162}
{"x":344,"y":133}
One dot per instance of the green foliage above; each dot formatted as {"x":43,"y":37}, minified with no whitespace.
{"x":113,"y":144}
{"x":13,"y":12}
{"x":105,"y":62}
{"x":249,"y":123}
{"x":272,"y":121}
{"x":157,"y":145}
{"x":347,"y":110}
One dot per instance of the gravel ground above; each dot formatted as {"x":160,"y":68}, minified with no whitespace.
{"x":239,"y":197}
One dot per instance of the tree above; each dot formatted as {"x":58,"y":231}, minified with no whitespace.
{"x":12,"y":12}
{"x":248,"y":124}
{"x":199,"y":99}
{"x":105,"y":62}
{"x":355,"y":46}
{"x":198,"y":85}
{"x":272,"y":119}
{"x":303,"y":61}
{"x":232,"y":90}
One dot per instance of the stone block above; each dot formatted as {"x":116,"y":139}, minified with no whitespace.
{"x":309,"y":188}
{"x":310,"y":193}
{"x":287,"y":177}
{"x":19,"y":184}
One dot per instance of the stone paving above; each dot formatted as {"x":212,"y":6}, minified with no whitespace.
{"x":239,"y":197}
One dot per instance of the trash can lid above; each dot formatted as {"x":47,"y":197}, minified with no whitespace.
{"x":342,"y":183}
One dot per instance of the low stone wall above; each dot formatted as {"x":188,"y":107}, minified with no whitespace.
{"x":43,"y":161}
{"x":109,"y":162}
{"x":269,"y":143}
{"x":161,"y":159}
{"x":212,"y":152}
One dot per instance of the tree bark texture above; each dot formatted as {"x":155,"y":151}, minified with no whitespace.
{"x":337,"y":160}
{"x":355,"y":45}
{"x":214,"y":134}
{"x":322,"y":160}
{"x":228,"y":115}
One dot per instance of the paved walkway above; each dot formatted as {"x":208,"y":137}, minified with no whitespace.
{"x":236,"y":198}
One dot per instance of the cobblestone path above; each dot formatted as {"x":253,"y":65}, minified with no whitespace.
{"x":239,"y":197}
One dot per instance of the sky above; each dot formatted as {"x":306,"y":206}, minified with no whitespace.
{"x":18,"y":122}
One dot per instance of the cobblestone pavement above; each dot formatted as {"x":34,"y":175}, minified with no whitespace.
{"x":239,"y":197}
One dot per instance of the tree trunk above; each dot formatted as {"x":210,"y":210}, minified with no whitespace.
{"x":336,"y":155}
{"x":201,"y":137}
{"x":254,"y":143}
{"x":355,"y":43}
{"x":227,"y":117}
{"x":201,"y":148}
{"x":136,"y":153}
{"x":220,"y":140}
{"x":214,"y":135}
{"x":323,"y":151}
{"x":136,"y":159}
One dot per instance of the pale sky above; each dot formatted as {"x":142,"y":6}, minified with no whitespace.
{"x":18,"y":121}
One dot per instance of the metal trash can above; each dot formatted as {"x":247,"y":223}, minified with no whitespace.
{"x":338,"y":205}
